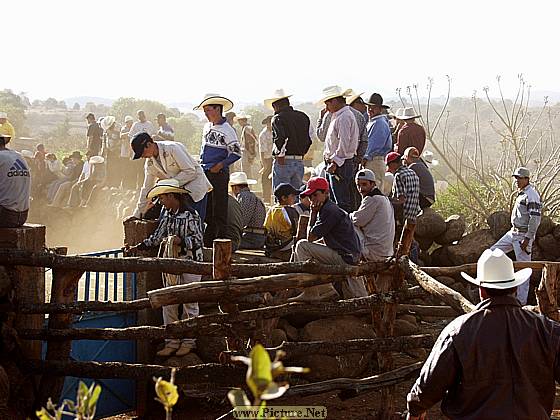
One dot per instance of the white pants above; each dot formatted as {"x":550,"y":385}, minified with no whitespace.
{"x":305,"y":250}
{"x":190,"y":310}
{"x":512,"y":241}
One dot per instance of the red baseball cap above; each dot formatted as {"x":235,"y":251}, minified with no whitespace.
{"x":315,"y":184}
{"x":391,"y":157}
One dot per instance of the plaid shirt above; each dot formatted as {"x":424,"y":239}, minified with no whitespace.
{"x":407,"y":184}
{"x":252,"y":208}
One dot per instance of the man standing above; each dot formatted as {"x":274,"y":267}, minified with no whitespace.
{"x":358,"y":106}
{"x":248,"y":141}
{"x":94,"y":135}
{"x":6,"y":128}
{"x":374,"y":220}
{"x":220,"y":148}
{"x":496,"y":362}
{"x":15,"y":186}
{"x":342,"y":245}
{"x":410,"y":134}
{"x":525,"y":220}
{"x":265,"y":150}
{"x":253,"y":211}
{"x":165,"y":131}
{"x":380,"y":141}
{"x":142,"y":126}
{"x":341,"y":142}
{"x":128,"y":168}
{"x":290,"y":134}
{"x":169,"y":160}
{"x":406,"y":189}
{"x":427,"y":186}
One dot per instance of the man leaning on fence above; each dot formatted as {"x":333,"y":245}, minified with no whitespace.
{"x":178,"y":235}
{"x":525,"y":220}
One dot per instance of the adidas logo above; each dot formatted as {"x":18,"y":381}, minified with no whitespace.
{"x":18,"y":169}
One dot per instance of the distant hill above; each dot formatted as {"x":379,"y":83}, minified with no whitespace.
{"x":82,"y":100}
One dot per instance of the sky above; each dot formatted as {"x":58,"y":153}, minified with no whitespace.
{"x":176,"y":51}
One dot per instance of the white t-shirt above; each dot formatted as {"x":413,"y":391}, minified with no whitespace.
{"x":142,"y":127}
{"x":15,"y":181}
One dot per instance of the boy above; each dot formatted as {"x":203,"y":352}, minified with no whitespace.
{"x":179,"y":227}
{"x":281,"y":221}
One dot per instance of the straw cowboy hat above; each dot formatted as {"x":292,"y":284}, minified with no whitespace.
{"x":276,"y":96}
{"x":3,"y":115}
{"x":406,"y":113}
{"x":429,"y":158}
{"x":266,"y":120}
{"x":240,"y":178}
{"x":128,"y":118}
{"x":352,"y":96}
{"x":242,"y":116}
{"x":494,"y":270}
{"x":165,"y":186}
{"x":107,"y":122}
{"x":214,"y":99}
{"x":334,"y":92}
{"x":96,"y":159}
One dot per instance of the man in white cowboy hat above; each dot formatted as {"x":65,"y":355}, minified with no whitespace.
{"x":248,"y":140}
{"x":253,"y":211}
{"x":15,"y":186}
{"x":94,"y":135}
{"x":6,"y":128}
{"x":499,"y":361}
{"x":265,"y":151}
{"x":410,"y":134}
{"x":341,"y":143}
{"x":220,"y":148}
{"x":380,"y":141}
{"x":168,"y":160}
{"x":292,"y":140}
{"x":427,"y":191}
{"x":180,"y":229}
{"x":525,"y":220}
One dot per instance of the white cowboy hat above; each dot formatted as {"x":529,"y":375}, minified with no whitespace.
{"x":352,"y":96}
{"x":128,"y":118}
{"x":96,"y":159}
{"x":3,"y":115}
{"x":107,"y":122}
{"x":240,"y":178}
{"x":27,"y":153}
{"x":333,"y":92}
{"x":242,"y":116}
{"x":215,"y":99}
{"x":276,"y":96}
{"x":494,"y":270}
{"x":406,"y":113}
{"x":429,"y":158}
{"x":165,"y":186}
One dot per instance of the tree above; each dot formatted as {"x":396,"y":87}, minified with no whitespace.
{"x":15,"y":107}
{"x":76,"y":106}
{"x":188,"y":130}
{"x":129,"y":106}
{"x":51,"y":103}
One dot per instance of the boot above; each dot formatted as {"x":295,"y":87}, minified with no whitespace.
{"x":185,"y":348}
{"x":168,"y":350}
{"x":316,"y":293}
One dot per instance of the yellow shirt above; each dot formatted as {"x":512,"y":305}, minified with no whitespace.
{"x":8,"y":129}
{"x":277,"y":223}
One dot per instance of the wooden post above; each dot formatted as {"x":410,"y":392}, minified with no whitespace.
{"x":136,"y":231}
{"x":302,"y":227}
{"x":547,"y":292}
{"x":64,"y":287}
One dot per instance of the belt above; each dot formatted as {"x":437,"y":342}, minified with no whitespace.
{"x":259,"y":231}
{"x":519,"y":230}
{"x":296,"y":157}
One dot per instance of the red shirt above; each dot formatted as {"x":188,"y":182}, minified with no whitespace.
{"x":411,"y":135}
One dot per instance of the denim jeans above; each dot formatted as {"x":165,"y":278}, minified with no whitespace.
{"x":216,"y":207}
{"x":291,"y":172}
{"x":341,"y":185}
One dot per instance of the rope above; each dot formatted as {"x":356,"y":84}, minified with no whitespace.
{"x":168,"y":249}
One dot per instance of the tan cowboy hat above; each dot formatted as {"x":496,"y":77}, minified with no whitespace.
{"x":166,"y":186}
{"x":333,"y":92}
{"x":107,"y":122}
{"x":240,"y":178}
{"x":96,"y":159}
{"x":276,"y":96}
{"x":266,"y":119}
{"x":215,"y":99}
{"x":128,"y":118}
{"x":352,"y":96}
{"x":494,"y":270}
{"x":3,"y":115}
{"x":406,"y":113}
{"x":242,"y":116}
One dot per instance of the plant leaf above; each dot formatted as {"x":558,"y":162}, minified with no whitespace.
{"x":94,"y":398}
{"x":167,"y":393}
{"x":43,"y":414}
{"x":238,"y":398}
{"x":259,"y":373}
{"x":273,"y":390}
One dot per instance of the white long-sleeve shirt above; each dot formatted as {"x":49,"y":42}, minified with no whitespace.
{"x":342,"y":136}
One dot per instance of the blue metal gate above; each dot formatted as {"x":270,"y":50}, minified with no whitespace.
{"x":118,"y":395}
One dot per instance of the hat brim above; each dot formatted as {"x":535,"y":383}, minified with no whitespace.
{"x":351,"y":99}
{"x":382,"y":106}
{"x":137,"y":155}
{"x":215,"y":100}
{"x":268,"y":102}
{"x":404,"y":118}
{"x":519,"y":278}
{"x":96,"y":159}
{"x":164,"y":189}
{"x":249,"y":182}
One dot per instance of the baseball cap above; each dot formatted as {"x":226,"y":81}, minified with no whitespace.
{"x":366,"y":174}
{"x":391,"y":157}
{"x":315,"y":184}
{"x":521,"y":172}
{"x":138,"y":144}
{"x":284,"y":189}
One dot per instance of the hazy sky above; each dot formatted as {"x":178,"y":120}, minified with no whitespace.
{"x":177,"y":51}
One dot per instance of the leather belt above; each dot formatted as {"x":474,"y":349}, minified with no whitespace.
{"x":296,"y":157}
{"x":259,"y":231}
